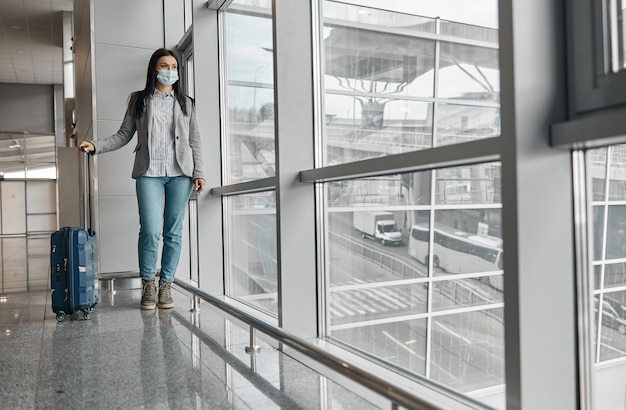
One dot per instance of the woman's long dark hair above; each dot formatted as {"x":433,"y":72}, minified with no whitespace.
{"x":140,"y":98}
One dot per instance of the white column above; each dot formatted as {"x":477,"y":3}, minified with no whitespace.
{"x":539,"y":278}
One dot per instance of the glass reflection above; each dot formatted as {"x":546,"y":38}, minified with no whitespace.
{"x":616,"y":232}
{"x":247,"y":49}
{"x":607,"y":183}
{"x":451,"y":294}
{"x":596,"y":164}
{"x":383,"y":70}
{"x":401,"y":343}
{"x":350,"y":304}
{"x":469,"y":72}
{"x":399,"y":189}
{"x":373,"y":62}
{"x":472,"y":184}
{"x":395,"y":256}
{"x":612,"y":340}
{"x":460,"y":123}
{"x":615,"y":275}
{"x":597,"y":277}
{"x":598,"y":232}
{"x":251,"y":249}
{"x":468,"y":349}
{"x":617,"y":173}
{"x":360,"y":130}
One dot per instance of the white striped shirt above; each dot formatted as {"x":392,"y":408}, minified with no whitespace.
{"x":162,"y":154}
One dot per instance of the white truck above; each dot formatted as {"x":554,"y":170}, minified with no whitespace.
{"x":379,"y":226}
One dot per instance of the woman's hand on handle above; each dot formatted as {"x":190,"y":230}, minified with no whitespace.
{"x":198,"y":184}
{"x":86,"y":146}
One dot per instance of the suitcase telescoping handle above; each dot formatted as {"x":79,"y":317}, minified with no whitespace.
{"x":87,"y":223}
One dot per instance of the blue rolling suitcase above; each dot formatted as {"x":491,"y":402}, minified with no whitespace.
{"x":74,"y":264}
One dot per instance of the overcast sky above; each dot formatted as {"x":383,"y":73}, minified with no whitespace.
{"x":478,"y":12}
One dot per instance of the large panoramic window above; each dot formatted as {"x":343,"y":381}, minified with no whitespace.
{"x":251,"y":249}
{"x":249,"y":92}
{"x":414,"y":260}
{"x":397,"y":81}
{"x":415,"y":272}
{"x":248,"y":151}
{"x":607,"y":179}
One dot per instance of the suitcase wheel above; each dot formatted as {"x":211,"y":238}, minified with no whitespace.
{"x":73,"y":316}
{"x":87,"y":315}
{"x":60,"y":317}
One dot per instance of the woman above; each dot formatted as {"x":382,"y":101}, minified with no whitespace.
{"x":168,"y":165}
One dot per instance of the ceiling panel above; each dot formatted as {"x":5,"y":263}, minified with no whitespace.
{"x":30,"y":40}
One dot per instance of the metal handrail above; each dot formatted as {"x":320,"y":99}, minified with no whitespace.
{"x":397,"y":395}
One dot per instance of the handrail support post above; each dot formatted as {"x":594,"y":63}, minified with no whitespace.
{"x":252,"y":348}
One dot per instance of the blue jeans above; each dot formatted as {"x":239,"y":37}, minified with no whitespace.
{"x":162,"y":203}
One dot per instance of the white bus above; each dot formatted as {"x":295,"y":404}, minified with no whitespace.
{"x":456,"y":251}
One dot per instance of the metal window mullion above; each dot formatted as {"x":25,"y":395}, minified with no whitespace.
{"x":26,"y":220}
{"x":225,"y":144}
{"x":193,"y":241}
{"x":583,"y":214}
{"x":613,"y":43}
{"x":429,"y":301}
{"x":430,"y":100}
{"x":422,"y":35}
{"x":226,"y":246}
{"x":323,"y":275}
{"x":320,"y":153}
{"x":435,"y":102}
{"x":2,"y":210}
{"x":605,"y":219}
{"x":223,"y":70}
{"x":467,"y":153}
{"x":443,"y":207}
{"x":419,"y":316}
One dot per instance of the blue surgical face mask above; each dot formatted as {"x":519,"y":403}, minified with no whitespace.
{"x":167,"y":77}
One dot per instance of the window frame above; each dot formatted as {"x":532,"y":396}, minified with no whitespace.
{"x":592,"y":85}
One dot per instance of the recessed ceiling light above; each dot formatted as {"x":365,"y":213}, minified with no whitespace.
{"x":363,"y":11}
{"x":20,"y":51}
{"x":15,"y":27}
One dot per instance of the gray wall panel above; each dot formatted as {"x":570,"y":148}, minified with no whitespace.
{"x":114,"y":83}
{"x":210,"y":255}
{"x":115,"y":168}
{"x":41,"y":196}
{"x":13,"y":207}
{"x":41,"y":223}
{"x":83,"y":70}
{"x":27,"y":107}
{"x":122,"y":47}
{"x":137,"y":23}
{"x":174,"y":22}
{"x":119,"y":228}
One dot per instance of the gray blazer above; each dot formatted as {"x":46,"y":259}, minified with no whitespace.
{"x":187,"y":142}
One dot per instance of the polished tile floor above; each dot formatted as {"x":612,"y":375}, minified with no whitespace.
{"x":126,"y":358}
